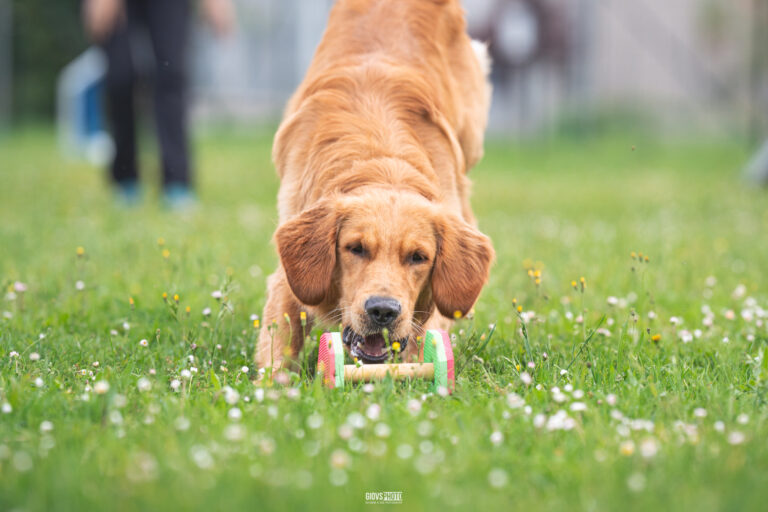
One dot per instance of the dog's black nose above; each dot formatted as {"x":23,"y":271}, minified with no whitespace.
{"x":382,"y":310}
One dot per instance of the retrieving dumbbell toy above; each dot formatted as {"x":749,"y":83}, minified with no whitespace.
{"x":437,"y":363}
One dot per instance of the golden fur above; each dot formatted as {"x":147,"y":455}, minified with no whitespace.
{"x":372,"y":154}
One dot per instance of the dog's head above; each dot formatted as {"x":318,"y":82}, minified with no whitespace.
{"x":380,"y":263}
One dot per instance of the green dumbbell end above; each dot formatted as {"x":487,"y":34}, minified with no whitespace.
{"x":436,"y":348}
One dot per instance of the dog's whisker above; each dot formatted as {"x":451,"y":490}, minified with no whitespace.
{"x":329,"y":318}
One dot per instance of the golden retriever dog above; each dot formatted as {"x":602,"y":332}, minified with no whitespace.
{"x":375,"y":228}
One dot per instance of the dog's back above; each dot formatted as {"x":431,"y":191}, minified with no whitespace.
{"x":389,"y":78}
{"x":421,"y":33}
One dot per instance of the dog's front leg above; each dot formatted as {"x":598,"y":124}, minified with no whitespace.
{"x":282,"y":334}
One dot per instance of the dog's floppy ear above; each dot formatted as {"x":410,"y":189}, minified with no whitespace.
{"x":464,"y":257}
{"x":307,"y":248}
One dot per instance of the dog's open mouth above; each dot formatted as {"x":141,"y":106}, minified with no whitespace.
{"x":370,"y":349}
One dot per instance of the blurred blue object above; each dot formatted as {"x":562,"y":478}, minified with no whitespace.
{"x":179,"y":197}
{"x":80,"y":113}
{"x":128,"y":193}
{"x":756,"y":170}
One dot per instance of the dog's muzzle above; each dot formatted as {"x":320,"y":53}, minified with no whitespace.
{"x":371,"y":349}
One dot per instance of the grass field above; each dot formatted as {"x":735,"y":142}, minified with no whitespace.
{"x":645,"y":390}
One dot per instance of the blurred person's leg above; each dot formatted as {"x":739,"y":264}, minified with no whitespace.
{"x":120,"y":82}
{"x":169,"y":22}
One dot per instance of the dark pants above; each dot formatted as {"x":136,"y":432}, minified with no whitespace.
{"x":167,"y":22}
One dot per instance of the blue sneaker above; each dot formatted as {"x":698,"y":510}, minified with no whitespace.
{"x":179,"y":197}
{"x":127,"y":193}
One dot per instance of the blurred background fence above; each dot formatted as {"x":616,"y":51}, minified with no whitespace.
{"x":684,"y":66}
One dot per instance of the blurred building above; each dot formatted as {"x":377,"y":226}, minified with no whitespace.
{"x":689,"y":65}
{"x":250,"y":75}
{"x":684,"y":65}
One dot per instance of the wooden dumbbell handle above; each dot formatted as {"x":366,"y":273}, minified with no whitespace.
{"x":368,"y":372}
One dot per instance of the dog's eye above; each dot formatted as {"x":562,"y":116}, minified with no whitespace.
{"x":416,"y":258}
{"x":356,"y":249}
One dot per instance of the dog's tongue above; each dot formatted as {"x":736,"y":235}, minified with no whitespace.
{"x":374,"y":345}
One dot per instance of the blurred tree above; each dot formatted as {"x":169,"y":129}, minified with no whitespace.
{"x":46,"y":36}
